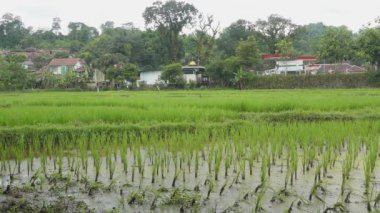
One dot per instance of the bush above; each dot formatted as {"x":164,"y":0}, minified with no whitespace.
{"x":173,"y":75}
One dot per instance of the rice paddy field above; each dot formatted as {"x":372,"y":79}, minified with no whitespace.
{"x":190,"y":151}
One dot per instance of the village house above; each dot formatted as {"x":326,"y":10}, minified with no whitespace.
{"x":339,"y":68}
{"x":195,"y":73}
{"x":61,"y":66}
{"x":307,"y":65}
{"x":191,"y":73}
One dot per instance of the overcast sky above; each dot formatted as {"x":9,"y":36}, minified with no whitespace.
{"x":39,"y":13}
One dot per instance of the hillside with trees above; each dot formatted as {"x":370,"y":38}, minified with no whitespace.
{"x":121,"y":52}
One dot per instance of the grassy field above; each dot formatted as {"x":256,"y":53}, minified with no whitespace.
{"x":202,"y":151}
{"x":151,"y":108}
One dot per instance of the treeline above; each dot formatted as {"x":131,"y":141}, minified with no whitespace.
{"x":227,"y":53}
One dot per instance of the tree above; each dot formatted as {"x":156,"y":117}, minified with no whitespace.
{"x":307,"y":38}
{"x":173,"y":75}
{"x":232,"y":35}
{"x":122,"y":72}
{"x":80,"y":34}
{"x":274,"y":29}
{"x":108,"y":25}
{"x":131,"y":73}
{"x":169,"y":19}
{"x":203,"y":38}
{"x":12,"y":74}
{"x":222,"y":72}
{"x":242,"y":77}
{"x":284,"y":47}
{"x":56,"y":25}
{"x":369,"y":44}
{"x":247,"y":53}
{"x":12,"y":31}
{"x":336,"y":44}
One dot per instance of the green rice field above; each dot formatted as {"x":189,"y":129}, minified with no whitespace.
{"x":190,"y":151}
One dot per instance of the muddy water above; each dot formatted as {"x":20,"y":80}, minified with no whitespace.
{"x":236,"y":196}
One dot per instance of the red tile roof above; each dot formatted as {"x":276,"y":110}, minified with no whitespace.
{"x":274,"y":56}
{"x":306,"y":57}
{"x":64,"y":61}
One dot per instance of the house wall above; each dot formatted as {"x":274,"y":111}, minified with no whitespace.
{"x":59,"y":70}
{"x":99,"y":76}
{"x":289,"y":67}
{"x":190,"y":77}
{"x":151,"y":77}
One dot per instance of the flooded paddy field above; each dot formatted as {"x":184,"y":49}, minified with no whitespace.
{"x":224,"y":152}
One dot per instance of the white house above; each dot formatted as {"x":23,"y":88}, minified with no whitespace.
{"x":194,"y":73}
{"x":287,"y":68}
{"x":60,"y":66}
{"x":150,"y":77}
{"x":191,"y":73}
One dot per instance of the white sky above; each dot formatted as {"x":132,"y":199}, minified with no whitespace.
{"x":39,"y":13}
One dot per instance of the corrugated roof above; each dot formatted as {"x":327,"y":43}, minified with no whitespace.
{"x":64,"y":61}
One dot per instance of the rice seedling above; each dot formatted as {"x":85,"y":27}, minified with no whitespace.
{"x":97,"y":162}
{"x":196,"y":169}
{"x":260,"y":199}
{"x":210,"y":188}
{"x":195,"y":141}
{"x":218,"y":161}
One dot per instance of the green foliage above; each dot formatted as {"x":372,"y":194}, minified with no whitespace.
{"x":12,"y":31}
{"x":247,"y":53}
{"x":80,"y":34}
{"x":12,"y":74}
{"x":336,"y":44}
{"x":275,"y":29}
{"x":169,"y":19}
{"x":232,"y":35}
{"x":173,"y":75}
{"x":284,"y":47}
{"x":242,"y":77}
{"x":369,"y":40}
{"x":70,"y":80}
{"x":122,"y":72}
{"x":222,"y":72}
{"x":307,"y":38}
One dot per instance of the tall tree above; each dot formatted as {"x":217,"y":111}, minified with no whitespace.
{"x":369,"y":44}
{"x":169,"y":19}
{"x":336,"y":44}
{"x":232,"y":35}
{"x":284,"y":47}
{"x":204,"y":37}
{"x":274,"y":29}
{"x":12,"y":31}
{"x":80,"y":34}
{"x":108,"y":25}
{"x":248,"y":53}
{"x":307,"y":38}
{"x":56,"y":25}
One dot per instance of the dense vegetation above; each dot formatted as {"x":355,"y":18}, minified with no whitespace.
{"x":268,"y":150}
{"x":225,"y":52}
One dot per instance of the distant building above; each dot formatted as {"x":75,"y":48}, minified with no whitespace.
{"x":28,"y":64}
{"x":287,"y":68}
{"x":195,"y":73}
{"x":60,"y":66}
{"x":150,"y":77}
{"x":342,"y":68}
{"x":191,"y":73}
